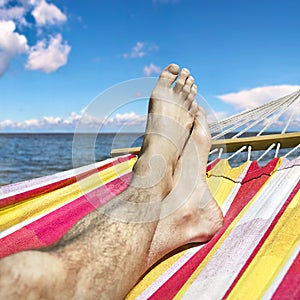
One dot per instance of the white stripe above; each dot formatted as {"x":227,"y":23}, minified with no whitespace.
{"x":278,"y":188}
{"x":219,"y":273}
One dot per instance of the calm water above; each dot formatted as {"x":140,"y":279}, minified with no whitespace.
{"x":27,"y":156}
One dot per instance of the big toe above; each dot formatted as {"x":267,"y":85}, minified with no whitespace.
{"x":169,"y":75}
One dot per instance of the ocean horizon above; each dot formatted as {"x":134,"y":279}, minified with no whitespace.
{"x":24,"y":156}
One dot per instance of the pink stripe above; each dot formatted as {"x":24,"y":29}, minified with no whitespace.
{"x":50,"y":228}
{"x":289,"y":288}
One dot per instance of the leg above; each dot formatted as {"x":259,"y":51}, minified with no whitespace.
{"x":108,"y":256}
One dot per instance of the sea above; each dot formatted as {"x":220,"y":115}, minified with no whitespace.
{"x":24,"y":156}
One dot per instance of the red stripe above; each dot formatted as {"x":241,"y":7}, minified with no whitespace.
{"x":58,"y":184}
{"x":263,"y":239}
{"x":255,"y":171}
{"x":212,"y":165}
{"x":289,"y":288}
{"x":50,"y":228}
{"x":170,"y":288}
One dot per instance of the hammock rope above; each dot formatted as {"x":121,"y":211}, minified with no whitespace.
{"x":283,"y":131}
{"x":267,"y":114}
{"x":258,"y":114}
{"x":292,"y":151}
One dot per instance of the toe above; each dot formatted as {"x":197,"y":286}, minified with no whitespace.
{"x":191,"y":96}
{"x":187,"y":87}
{"x":169,"y":74}
{"x":181,"y":81}
{"x":194,"y":108}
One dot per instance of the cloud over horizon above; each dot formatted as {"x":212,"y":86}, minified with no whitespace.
{"x":128,"y":121}
{"x":247,"y":99}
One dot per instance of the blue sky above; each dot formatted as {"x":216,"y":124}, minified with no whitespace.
{"x":56,"y":56}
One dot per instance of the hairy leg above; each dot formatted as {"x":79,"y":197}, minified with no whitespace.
{"x":108,"y":255}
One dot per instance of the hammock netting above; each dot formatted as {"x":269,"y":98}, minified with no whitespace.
{"x":254,"y":256}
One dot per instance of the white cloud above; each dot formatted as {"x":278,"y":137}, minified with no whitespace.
{"x":46,"y":55}
{"x":48,"y":58}
{"x":137,"y":51}
{"x":45,"y":13}
{"x":10,"y":40}
{"x":140,"y":49}
{"x":151,"y":69}
{"x":15,"y":13}
{"x":127,"y":120}
{"x":47,"y":122}
{"x":255,"y":97}
{"x":11,"y":44}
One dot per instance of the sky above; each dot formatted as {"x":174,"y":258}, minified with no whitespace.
{"x":61,"y":60}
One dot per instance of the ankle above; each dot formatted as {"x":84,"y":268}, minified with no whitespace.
{"x":153,"y":176}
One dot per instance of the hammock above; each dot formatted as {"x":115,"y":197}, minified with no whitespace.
{"x":256,"y":253}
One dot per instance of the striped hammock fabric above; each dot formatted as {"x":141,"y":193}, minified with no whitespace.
{"x":254,"y":256}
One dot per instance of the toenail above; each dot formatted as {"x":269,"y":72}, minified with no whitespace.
{"x":185,"y":70}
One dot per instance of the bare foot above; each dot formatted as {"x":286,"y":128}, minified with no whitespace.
{"x":170,"y":119}
{"x":189,"y":213}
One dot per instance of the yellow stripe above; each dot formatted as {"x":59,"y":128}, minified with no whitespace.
{"x":220,"y":188}
{"x":153,"y":275}
{"x":219,"y":185}
{"x":273,"y":255}
{"x":42,"y":204}
{"x":208,"y":257}
{"x":223,"y":168}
